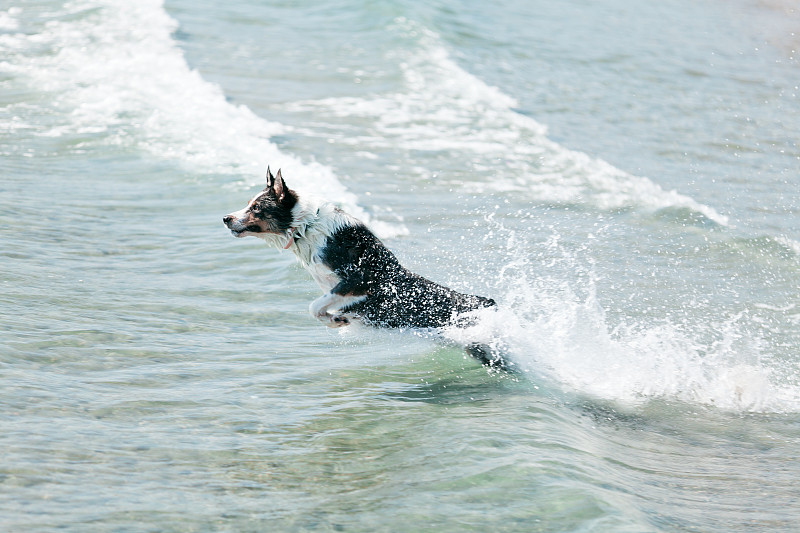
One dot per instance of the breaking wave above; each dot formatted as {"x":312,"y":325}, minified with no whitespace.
{"x":117,"y":77}
{"x":445,"y":108}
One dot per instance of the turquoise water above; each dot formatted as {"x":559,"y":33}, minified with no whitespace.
{"x":621,"y":179}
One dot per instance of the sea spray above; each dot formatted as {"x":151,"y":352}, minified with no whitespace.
{"x":552,"y":326}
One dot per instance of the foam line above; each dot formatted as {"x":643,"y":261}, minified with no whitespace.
{"x":119,"y":78}
{"x":445,"y":108}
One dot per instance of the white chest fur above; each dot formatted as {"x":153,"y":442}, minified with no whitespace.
{"x":324,"y":276}
{"x":314,"y":224}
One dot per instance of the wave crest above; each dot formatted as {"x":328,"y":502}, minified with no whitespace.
{"x":445,"y":108}
{"x":117,"y":77}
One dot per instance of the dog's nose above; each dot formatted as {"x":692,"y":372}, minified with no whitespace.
{"x":227,"y":219}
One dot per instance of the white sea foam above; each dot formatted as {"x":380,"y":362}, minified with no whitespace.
{"x":556,"y":329}
{"x":569,"y":342}
{"x":8,"y":19}
{"x":445,"y":108}
{"x":117,"y":77}
{"x":790,"y":244}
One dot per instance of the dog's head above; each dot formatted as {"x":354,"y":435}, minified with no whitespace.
{"x":269,"y":213}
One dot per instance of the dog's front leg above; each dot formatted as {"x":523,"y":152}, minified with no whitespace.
{"x":347,"y":292}
{"x":319,"y":310}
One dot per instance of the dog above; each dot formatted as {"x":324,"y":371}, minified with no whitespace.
{"x":361,"y":279}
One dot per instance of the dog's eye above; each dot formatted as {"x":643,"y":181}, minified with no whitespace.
{"x":255,"y":208}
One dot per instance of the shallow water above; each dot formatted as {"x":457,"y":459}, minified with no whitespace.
{"x":622,"y":181}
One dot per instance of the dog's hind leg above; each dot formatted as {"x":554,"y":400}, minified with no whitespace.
{"x":488,"y":357}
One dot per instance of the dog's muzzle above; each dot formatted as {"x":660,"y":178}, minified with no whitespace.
{"x":234,"y":224}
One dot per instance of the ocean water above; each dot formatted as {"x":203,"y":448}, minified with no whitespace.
{"x":622,"y":179}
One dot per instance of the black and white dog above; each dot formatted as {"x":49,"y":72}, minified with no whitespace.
{"x":361,"y":278}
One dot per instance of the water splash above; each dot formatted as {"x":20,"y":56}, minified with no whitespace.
{"x":553,"y":327}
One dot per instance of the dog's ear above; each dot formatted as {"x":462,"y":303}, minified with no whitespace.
{"x":279,"y":186}
{"x":270,"y":179}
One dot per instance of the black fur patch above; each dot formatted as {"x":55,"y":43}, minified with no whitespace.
{"x":396,"y":297}
{"x":274,"y":211}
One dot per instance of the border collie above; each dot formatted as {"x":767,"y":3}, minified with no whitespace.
{"x":361,"y":279}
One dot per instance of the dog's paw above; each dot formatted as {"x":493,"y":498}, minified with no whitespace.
{"x":338,"y":321}
{"x":319,"y":310}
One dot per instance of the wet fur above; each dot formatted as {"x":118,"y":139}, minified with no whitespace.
{"x":360,"y":277}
